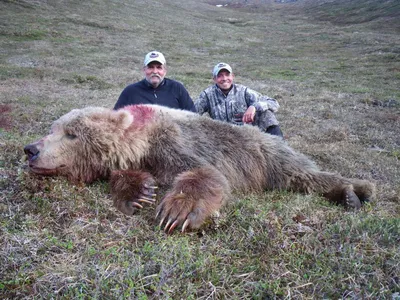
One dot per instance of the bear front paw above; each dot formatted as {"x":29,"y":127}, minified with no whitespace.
{"x":131,"y":190}
{"x":195,"y":196}
{"x":181,"y":210}
{"x":146,"y":195}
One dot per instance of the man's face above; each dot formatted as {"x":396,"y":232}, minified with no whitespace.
{"x":224,"y":79}
{"x":154,"y":73}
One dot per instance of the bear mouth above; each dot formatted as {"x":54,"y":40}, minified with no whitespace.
{"x":46,"y":172}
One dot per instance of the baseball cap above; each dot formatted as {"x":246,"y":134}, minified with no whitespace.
{"x":221,"y":66}
{"x":154,"y":56}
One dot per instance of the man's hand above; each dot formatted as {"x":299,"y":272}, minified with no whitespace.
{"x":249,"y":115}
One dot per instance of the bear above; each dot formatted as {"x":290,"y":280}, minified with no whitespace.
{"x":199,"y":162}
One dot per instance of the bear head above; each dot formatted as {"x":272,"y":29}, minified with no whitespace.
{"x":84,"y":145}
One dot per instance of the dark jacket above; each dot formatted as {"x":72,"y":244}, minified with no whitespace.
{"x":169,"y":93}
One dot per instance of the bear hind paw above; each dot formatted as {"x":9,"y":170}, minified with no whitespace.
{"x":350,"y":199}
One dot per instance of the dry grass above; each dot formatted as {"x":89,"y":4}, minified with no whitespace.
{"x":337,"y":78}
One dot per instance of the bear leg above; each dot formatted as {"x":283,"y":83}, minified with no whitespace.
{"x":195,"y":196}
{"x":131,"y":189}
{"x":337,"y":189}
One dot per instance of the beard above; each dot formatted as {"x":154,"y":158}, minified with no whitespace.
{"x":155,"y":75}
{"x":152,"y":79}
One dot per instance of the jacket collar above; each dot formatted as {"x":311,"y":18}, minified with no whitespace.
{"x":220,"y":91}
{"x":148,"y":84}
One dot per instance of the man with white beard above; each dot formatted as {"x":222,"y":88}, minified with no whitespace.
{"x":155,"y":88}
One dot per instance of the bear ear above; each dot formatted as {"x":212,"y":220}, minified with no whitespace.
{"x":123,"y":118}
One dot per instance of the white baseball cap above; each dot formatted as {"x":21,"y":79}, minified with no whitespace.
{"x":154,"y":56}
{"x":221,"y":66}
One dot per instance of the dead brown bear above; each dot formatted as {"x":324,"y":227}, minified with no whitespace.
{"x":200,"y":161}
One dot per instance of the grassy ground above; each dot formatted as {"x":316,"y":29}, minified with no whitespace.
{"x":335,"y":69}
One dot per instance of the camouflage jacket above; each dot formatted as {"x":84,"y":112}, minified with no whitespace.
{"x":231,"y":107}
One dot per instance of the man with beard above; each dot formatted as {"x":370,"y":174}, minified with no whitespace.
{"x":155,"y":88}
{"x":236,"y":103}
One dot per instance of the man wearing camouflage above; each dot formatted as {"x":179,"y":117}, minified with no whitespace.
{"x":237,"y":104}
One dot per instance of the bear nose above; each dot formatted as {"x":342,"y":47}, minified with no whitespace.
{"x":32,"y":151}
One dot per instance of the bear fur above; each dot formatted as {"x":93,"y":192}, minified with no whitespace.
{"x":199,"y":161}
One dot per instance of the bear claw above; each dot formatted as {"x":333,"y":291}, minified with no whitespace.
{"x":161,"y":222}
{"x":185,"y":225}
{"x":171,"y":225}
{"x":166,"y":225}
{"x":137,"y":205}
{"x":147,"y":186}
{"x":147,"y":200}
{"x":171,"y":229}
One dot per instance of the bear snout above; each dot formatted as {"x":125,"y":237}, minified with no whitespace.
{"x":32,"y":151}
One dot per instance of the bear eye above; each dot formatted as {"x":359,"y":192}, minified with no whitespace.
{"x":70,"y":136}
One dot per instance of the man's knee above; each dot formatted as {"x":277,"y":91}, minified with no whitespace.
{"x":267,"y":122}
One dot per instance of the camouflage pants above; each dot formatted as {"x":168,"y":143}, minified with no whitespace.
{"x":267,"y":122}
